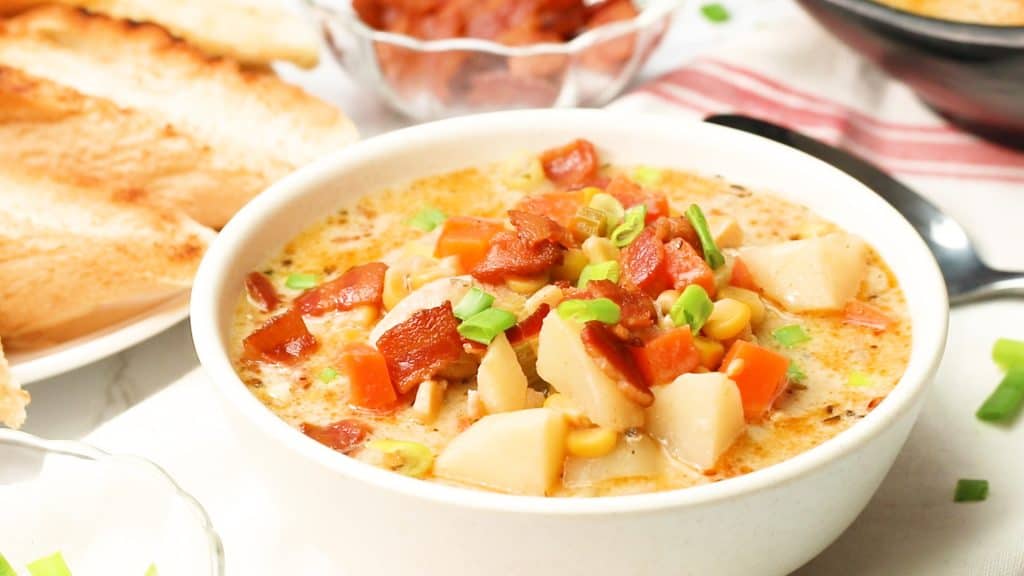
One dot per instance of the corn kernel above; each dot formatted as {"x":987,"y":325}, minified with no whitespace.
{"x":710,"y":351}
{"x":665,"y":301}
{"x":600,"y":250}
{"x":727,"y":320}
{"x":550,"y":295}
{"x":560,"y":403}
{"x":591,"y":442}
{"x":748,"y":297}
{"x":572,"y":264}
{"x":588,"y":194}
{"x":610,"y":206}
{"x":395,"y":287}
{"x":526,"y":285}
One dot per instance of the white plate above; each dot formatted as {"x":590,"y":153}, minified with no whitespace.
{"x":39,"y":364}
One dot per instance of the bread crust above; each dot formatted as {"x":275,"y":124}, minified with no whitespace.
{"x":253,"y":34}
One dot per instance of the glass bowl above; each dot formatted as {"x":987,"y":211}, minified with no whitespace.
{"x":108,"y":515}
{"x":432,"y":79}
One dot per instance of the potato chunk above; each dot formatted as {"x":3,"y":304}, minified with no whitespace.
{"x":516,"y":452}
{"x":500,"y":380}
{"x":563,"y":362}
{"x":814,"y":274}
{"x":637,"y":457}
{"x":697,"y":417}
{"x":726,"y":231}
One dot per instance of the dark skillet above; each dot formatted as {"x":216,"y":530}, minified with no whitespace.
{"x":972,"y":74}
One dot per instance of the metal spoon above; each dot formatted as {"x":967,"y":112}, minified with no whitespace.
{"x":968,"y":278}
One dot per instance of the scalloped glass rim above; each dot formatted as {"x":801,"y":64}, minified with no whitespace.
{"x":651,"y":14}
{"x":88,"y":452}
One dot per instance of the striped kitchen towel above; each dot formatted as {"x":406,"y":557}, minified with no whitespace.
{"x":794,"y":73}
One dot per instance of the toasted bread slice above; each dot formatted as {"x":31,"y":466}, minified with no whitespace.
{"x":12,"y":398}
{"x":256,"y":122}
{"x":254,"y":33}
{"x":67,"y":252}
{"x":89,"y":141}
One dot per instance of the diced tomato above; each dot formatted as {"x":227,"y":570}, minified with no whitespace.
{"x":467,"y":239}
{"x":685,"y":266}
{"x":511,"y":256}
{"x":644,"y":264}
{"x":667,"y":356}
{"x":863,"y":314}
{"x":421,"y":347}
{"x":261,"y":292}
{"x":630,"y":194}
{"x":759,"y":373}
{"x":284,"y":338}
{"x":560,"y":206}
{"x":741,"y":277}
{"x":573,"y":165}
{"x":604,"y":346}
{"x":529,"y":327}
{"x":367,"y":371}
{"x":359,"y":286}
{"x":343,"y":435}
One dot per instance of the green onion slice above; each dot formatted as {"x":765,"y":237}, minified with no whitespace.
{"x":427,"y":219}
{"x":5,"y":567}
{"x":609,"y":270}
{"x":328,"y":375}
{"x":631,"y":227}
{"x":302,"y":281}
{"x":790,"y":336}
{"x":52,"y":565}
{"x":152,"y":571}
{"x":1008,"y":353}
{"x":474,"y":302}
{"x":968,"y":490}
{"x":795,"y":373}
{"x":859,"y":380}
{"x":647,"y":176}
{"x":415,"y":459}
{"x":715,"y":12}
{"x":610,"y":207}
{"x":1006,"y":400}
{"x":711,"y":252}
{"x":484,"y":326}
{"x":692,"y":308}
{"x":598,"y":309}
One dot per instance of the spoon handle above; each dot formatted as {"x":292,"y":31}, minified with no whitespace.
{"x":991,"y":284}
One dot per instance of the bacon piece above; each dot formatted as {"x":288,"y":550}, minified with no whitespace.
{"x":529,"y":327}
{"x":261,"y":292}
{"x":421,"y":347}
{"x":343,"y":435}
{"x":685,"y":266}
{"x":630,"y":194}
{"x":560,"y":206}
{"x":509,"y":255}
{"x":637,"y":309}
{"x":573,"y":165}
{"x":360,"y":285}
{"x":644,"y":264}
{"x":283,"y":339}
{"x":535,"y":228}
{"x":617,"y":361}
{"x":677,"y":227}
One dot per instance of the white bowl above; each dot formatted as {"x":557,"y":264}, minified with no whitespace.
{"x":364,"y":520}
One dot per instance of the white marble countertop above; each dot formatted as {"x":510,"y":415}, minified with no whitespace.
{"x":154,"y":400}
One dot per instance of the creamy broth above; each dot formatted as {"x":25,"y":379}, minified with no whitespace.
{"x":991,"y":12}
{"x":848,"y":368}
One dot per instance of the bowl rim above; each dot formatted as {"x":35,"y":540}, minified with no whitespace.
{"x":648,"y":16}
{"x":84,"y":451}
{"x":932,"y":27}
{"x":213,"y":355}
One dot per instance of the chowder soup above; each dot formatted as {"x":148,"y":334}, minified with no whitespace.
{"x":991,"y":12}
{"x":556,"y":326}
